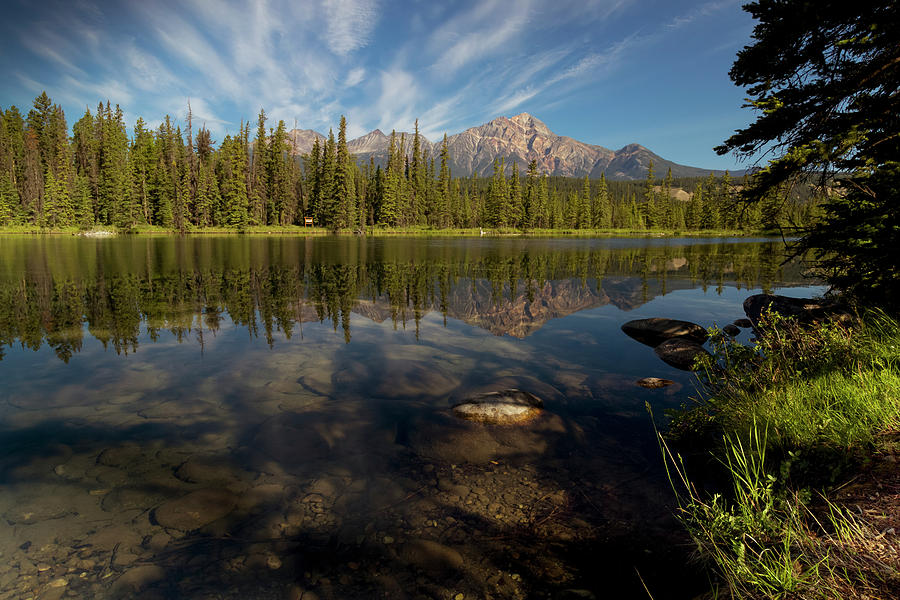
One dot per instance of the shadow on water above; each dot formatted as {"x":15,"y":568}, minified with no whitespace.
{"x":267,"y":466}
{"x":344,"y":505}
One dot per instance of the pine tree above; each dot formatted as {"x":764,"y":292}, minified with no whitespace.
{"x":602,"y":214}
{"x":423,"y":212}
{"x":281,"y":203}
{"x":514,"y":202}
{"x":32,"y":192}
{"x":667,"y":215}
{"x":328,"y":201}
{"x":529,"y":198}
{"x":584,"y":205}
{"x":443,"y":196}
{"x":345,"y":209}
{"x":710,"y":217}
{"x":39,"y":124}
{"x":234,"y":181}
{"x":50,"y":215}
{"x":313,"y":172}
{"x":649,"y":209}
{"x":9,"y":199}
{"x":543,"y":202}
{"x":83,"y":202}
{"x":259,"y":193}
{"x":694,"y":218}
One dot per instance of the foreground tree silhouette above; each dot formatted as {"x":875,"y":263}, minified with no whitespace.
{"x":825,"y":78}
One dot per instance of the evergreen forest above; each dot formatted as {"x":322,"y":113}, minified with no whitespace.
{"x":180,"y":180}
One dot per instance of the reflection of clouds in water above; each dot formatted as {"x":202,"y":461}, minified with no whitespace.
{"x":332,"y":447}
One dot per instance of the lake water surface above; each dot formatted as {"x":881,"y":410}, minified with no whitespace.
{"x":243,"y":417}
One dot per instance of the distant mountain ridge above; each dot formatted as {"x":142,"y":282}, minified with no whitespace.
{"x":518,"y":140}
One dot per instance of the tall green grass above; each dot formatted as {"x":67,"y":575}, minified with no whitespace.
{"x":784,"y":420}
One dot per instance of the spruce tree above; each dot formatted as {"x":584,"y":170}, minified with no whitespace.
{"x":602,"y":214}
{"x":529,"y":198}
{"x":649,"y":209}
{"x":259,"y":193}
{"x":417,"y":182}
{"x":584,"y":205}
{"x":443,"y":196}
{"x":495,"y":206}
{"x":328,"y":201}
{"x":345,"y":205}
{"x":313,"y":172}
{"x":514,"y":202}
{"x":281,"y":205}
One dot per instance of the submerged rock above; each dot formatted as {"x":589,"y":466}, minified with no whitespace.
{"x":743,"y":323}
{"x":444,"y":436}
{"x":431,"y":556}
{"x":136,"y":579}
{"x":506,"y":407}
{"x":195,"y":510}
{"x":680,"y":353}
{"x":656,"y":330}
{"x":652,"y":383}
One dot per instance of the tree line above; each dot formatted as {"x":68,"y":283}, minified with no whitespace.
{"x":179,"y":180}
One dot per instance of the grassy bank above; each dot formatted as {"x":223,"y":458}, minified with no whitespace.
{"x":389,"y":231}
{"x":779,"y":430}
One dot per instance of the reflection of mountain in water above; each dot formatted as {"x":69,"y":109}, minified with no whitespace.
{"x":475,"y":303}
{"x":50,"y":291}
{"x":530,"y":306}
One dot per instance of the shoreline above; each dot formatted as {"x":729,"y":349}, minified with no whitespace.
{"x":785,"y":469}
{"x":390,"y":232}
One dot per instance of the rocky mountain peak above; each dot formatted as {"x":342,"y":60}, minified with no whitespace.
{"x":528,"y":121}
{"x":519,"y":140}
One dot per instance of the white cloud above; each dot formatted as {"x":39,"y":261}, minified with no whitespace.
{"x":145,"y":71}
{"x":700,"y":12}
{"x":472,"y":36}
{"x":355,"y":77}
{"x":349,"y":24}
{"x":453,"y":66}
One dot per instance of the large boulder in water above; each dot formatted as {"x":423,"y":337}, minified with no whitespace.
{"x":680,"y":353}
{"x":508,"y":425}
{"x":804,"y":310}
{"x":657,"y":330}
{"x":507,"y":407}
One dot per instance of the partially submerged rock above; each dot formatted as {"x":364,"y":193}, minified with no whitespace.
{"x":507,"y":407}
{"x":445,"y":438}
{"x":657,"y":330}
{"x":653,"y":383}
{"x":804,"y":310}
{"x":743,"y":323}
{"x":680,"y":353}
{"x":732,"y":330}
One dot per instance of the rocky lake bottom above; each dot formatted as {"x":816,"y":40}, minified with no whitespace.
{"x":193,"y":457}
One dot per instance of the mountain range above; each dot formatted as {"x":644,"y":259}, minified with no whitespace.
{"x":518,"y":140}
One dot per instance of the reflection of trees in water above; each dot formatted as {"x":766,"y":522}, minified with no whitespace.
{"x":188,"y":288}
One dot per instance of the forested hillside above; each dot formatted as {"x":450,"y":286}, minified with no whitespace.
{"x":180,"y":179}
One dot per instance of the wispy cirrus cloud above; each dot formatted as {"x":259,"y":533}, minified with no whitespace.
{"x":471,"y":36}
{"x":698,"y":12}
{"x":383,"y":64}
{"x":350,"y":24}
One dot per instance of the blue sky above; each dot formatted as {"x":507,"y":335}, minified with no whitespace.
{"x":608,"y":72}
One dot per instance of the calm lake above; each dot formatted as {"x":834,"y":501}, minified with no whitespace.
{"x":267,"y":417}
